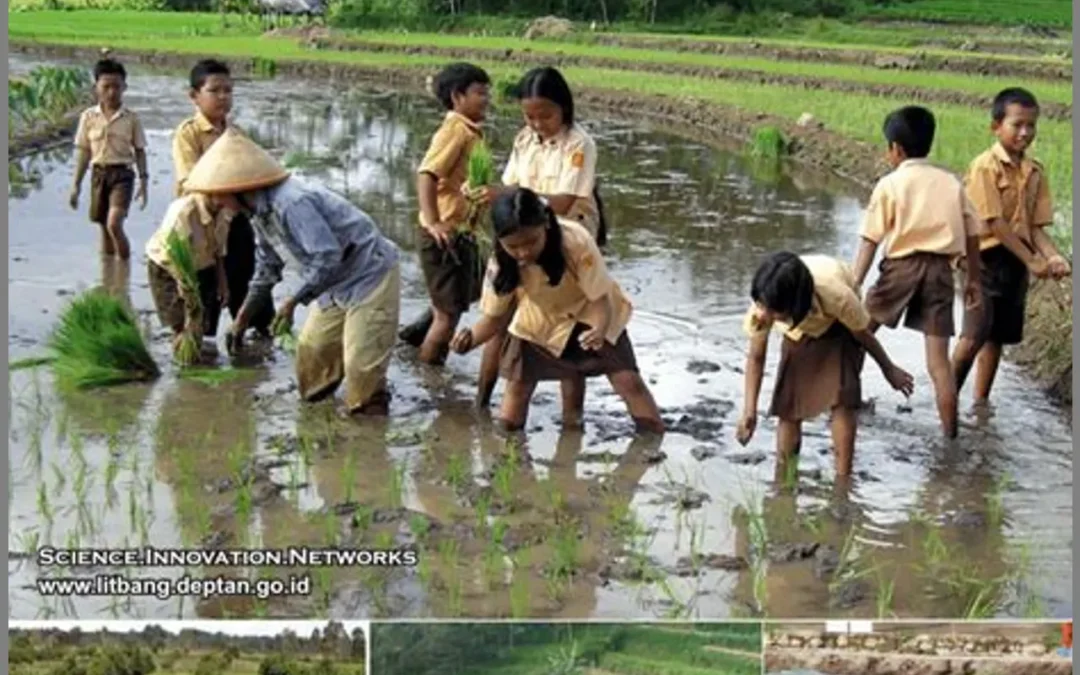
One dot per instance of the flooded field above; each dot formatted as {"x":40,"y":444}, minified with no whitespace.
{"x":569,"y":525}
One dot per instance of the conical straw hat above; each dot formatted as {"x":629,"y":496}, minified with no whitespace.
{"x":234,"y":163}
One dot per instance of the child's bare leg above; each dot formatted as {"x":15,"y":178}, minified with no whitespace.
{"x":986,"y":366}
{"x":435,"y":345}
{"x":844,"y":423}
{"x":515,"y":404}
{"x":963,"y":358}
{"x":937,"y":365}
{"x":108,"y":248}
{"x":573,"y":402}
{"x":116,"y":232}
{"x":639,"y":400}
{"x":788,"y":439}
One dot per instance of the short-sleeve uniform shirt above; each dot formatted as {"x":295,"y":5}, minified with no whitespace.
{"x":1016,"y":192}
{"x":447,"y":159}
{"x":110,"y":140}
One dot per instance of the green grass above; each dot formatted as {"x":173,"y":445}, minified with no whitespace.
{"x":962,"y":131}
{"x":1056,"y":13}
{"x":625,"y":664}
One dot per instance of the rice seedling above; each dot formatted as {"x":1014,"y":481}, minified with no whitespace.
{"x":768,"y":143}
{"x":503,"y":482}
{"x":363,"y":518}
{"x":348,"y":475}
{"x":456,"y":471}
{"x":97,"y":343}
{"x":424,"y":571}
{"x":29,"y":362}
{"x":396,"y":486}
{"x":490,"y":564}
{"x":182,"y":260}
{"x":566,"y":552}
{"x":884,"y":596}
{"x":45,"y":96}
{"x":482,"y":510}
{"x":455,"y":592}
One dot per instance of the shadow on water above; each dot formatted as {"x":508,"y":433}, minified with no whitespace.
{"x":557,"y":525}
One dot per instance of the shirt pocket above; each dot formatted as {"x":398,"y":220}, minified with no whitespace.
{"x":98,"y":136}
{"x":1009,"y":193}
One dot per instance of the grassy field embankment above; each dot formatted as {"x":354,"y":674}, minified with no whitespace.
{"x":732,"y":88}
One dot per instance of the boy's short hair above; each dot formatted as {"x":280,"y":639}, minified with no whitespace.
{"x":912,"y":128}
{"x":456,"y":79}
{"x":783,"y":284}
{"x":1011,"y":96}
{"x":109,"y":67}
{"x":202,"y":71}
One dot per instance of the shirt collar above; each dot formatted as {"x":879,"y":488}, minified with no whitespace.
{"x":557,"y":139}
{"x":913,"y":161}
{"x":452,"y":115}
{"x":204,"y":124}
{"x":119,"y":113}
{"x":1002,"y":155}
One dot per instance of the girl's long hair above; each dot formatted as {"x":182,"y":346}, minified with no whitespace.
{"x":783,"y":283}
{"x":548,"y":83}
{"x":510,"y":213}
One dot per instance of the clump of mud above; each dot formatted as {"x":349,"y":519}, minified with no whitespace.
{"x":551,"y":27}
{"x":1047,"y":345}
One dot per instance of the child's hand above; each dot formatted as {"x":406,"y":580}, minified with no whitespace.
{"x":74,"y":198}
{"x":484,"y":194}
{"x":462,"y":342}
{"x":900,"y":380}
{"x":1059,"y":267}
{"x":1038,"y":268}
{"x":591,"y":339}
{"x":747,"y":425}
{"x":972,"y":294}
{"x":440,"y":232}
{"x":141,"y":194}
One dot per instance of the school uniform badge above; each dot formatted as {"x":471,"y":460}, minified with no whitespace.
{"x":577,"y":160}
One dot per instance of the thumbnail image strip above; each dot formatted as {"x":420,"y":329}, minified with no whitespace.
{"x":566,"y":648}
{"x":916,"y":648}
{"x":188,"y":647}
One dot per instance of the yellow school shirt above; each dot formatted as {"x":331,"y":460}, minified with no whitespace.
{"x":546,"y":314}
{"x":836,"y":298}
{"x":447,"y":159}
{"x":1018,"y":194}
{"x":110,"y":140}
{"x":190,"y":216}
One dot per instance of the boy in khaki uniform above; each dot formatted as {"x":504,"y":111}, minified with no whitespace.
{"x":449,"y":258}
{"x":109,"y":139}
{"x":211,"y":90}
{"x":922,"y":218}
{"x":1011,"y":195}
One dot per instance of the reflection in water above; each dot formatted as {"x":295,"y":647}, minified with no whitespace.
{"x":688,"y":224}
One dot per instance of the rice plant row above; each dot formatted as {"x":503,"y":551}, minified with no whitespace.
{"x":45,"y":95}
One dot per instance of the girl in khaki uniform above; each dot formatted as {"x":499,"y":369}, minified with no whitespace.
{"x":554,"y":157}
{"x":569,"y":316}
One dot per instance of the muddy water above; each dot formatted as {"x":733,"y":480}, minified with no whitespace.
{"x":565,"y":525}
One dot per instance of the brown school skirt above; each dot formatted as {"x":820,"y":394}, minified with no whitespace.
{"x":453,"y":275}
{"x":170,"y":306}
{"x":999,"y":318}
{"x":111,"y":186}
{"x":523,"y":360}
{"x":918,"y":287}
{"x":818,"y":374}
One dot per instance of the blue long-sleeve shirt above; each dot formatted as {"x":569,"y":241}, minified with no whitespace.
{"x":337,"y":249}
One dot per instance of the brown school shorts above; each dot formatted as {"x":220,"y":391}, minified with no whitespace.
{"x":920,"y":288}
{"x":111,"y":186}
{"x":523,"y":360}
{"x":999,"y":318}
{"x":818,"y":374}
{"x":171,"y":307}
{"x":454,"y":274}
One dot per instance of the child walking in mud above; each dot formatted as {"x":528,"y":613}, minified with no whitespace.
{"x":570,"y":318}
{"x":922,"y":219}
{"x":814,"y":300}
{"x":349,"y":272}
{"x":109,"y":139}
{"x":211,"y":91}
{"x":1011,"y":194}
{"x":449,"y":257}
{"x":192,"y":218}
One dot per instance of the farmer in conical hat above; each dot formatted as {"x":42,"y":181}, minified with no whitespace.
{"x":348,"y":270}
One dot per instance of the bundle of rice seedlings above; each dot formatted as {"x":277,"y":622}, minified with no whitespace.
{"x":98,"y":343}
{"x":285,"y":338}
{"x":188,"y":347}
{"x":481,"y":172}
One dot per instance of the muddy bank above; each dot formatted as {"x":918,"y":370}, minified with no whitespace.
{"x":528,"y":58}
{"x":844,"y":663}
{"x":810,"y":145}
{"x":914,"y":643}
{"x":973,"y":65}
{"x":45,"y":137}
{"x":1047,"y":347}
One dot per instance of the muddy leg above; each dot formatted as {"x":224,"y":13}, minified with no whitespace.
{"x":844,"y":424}
{"x":963,"y":358}
{"x":639,"y":400}
{"x":788,"y":439}
{"x":515,"y":404}
{"x":937,"y":364}
{"x":108,"y":248}
{"x":115,"y":227}
{"x":415,"y":332}
{"x":573,"y":403}
{"x":434,"y":349}
{"x":986,"y":366}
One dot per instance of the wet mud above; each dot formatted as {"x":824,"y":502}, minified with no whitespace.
{"x":527,"y":57}
{"x":915,"y":60}
{"x":39,"y":140}
{"x":556,"y":524}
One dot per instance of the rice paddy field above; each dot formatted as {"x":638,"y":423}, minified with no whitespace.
{"x":565,"y":525}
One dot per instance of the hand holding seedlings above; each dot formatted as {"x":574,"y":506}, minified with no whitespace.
{"x":463,"y":341}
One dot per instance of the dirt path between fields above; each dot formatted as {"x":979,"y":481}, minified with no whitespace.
{"x":527,"y":57}
{"x":845,"y":662}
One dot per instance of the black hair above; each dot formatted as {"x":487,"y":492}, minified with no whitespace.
{"x":1011,"y":96}
{"x":109,"y":67}
{"x":601,"y":218}
{"x":548,"y":83}
{"x":912,"y":128}
{"x":513,"y":211}
{"x":202,"y":71}
{"x":456,"y":78}
{"x":783,"y":284}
